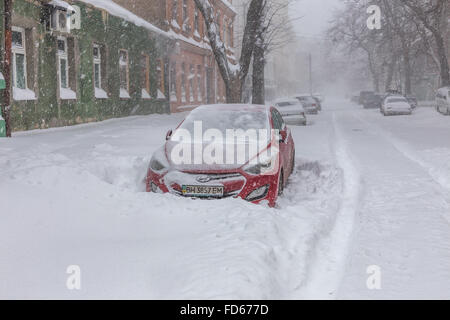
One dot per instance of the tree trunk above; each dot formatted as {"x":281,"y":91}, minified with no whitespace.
{"x":234,"y":90}
{"x":442,"y":55}
{"x":258,"y":76}
{"x":407,"y":67}
{"x":390,"y":74}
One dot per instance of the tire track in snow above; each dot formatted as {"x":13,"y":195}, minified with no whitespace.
{"x":401,"y":146}
{"x":329,"y":258}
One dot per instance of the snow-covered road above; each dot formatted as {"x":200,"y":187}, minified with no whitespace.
{"x":367,"y":190}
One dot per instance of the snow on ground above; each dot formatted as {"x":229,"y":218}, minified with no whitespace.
{"x":366,"y":190}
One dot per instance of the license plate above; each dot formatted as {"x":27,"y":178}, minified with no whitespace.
{"x":203,"y":191}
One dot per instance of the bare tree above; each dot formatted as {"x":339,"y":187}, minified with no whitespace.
{"x":273,"y":33}
{"x":233,"y":75}
{"x":348,"y":29}
{"x":431,"y":14}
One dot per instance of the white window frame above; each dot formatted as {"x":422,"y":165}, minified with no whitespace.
{"x":63,"y":56}
{"x":199,"y":84}
{"x":19,"y":50}
{"x":125,"y":92}
{"x":97,"y":61}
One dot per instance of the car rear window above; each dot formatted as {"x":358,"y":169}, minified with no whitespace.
{"x":286,"y":104}
{"x":393,"y":100}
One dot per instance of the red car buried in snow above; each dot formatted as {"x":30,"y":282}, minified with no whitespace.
{"x":222,"y":151}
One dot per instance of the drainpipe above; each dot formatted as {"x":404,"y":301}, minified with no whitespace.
{"x":6,"y":106}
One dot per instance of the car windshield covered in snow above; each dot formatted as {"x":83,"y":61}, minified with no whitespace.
{"x":226,"y":119}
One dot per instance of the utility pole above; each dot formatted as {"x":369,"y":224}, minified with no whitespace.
{"x":310,"y":75}
{"x":6,"y":106}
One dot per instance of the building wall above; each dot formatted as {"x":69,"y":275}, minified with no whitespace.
{"x":192,"y":48}
{"x":97,"y":26}
{"x":153,"y":11}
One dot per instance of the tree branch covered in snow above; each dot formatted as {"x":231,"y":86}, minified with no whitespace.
{"x":233,"y":75}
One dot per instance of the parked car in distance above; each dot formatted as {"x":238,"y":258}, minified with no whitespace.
{"x":363,"y":95}
{"x":319,"y":103}
{"x":373,"y":101}
{"x":396,"y":105}
{"x":309,"y":103}
{"x":412,"y":101}
{"x":254,"y":181}
{"x":443,"y":100}
{"x":355,"y":98}
{"x":292,"y":111}
{"x":319,"y":96}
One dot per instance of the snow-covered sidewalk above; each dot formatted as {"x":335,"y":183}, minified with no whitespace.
{"x":367,"y":190}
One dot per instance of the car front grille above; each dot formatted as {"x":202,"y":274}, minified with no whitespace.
{"x":233,"y":182}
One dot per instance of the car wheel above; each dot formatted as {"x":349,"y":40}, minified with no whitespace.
{"x":281,"y":184}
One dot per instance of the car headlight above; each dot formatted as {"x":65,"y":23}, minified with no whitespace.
{"x":155,"y":165}
{"x":159,"y":162}
{"x":259,"y":168}
{"x":264,"y":165}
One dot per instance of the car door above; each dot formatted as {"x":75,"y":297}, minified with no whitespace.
{"x":285,"y":152}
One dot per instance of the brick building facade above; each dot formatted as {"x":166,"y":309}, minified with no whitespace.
{"x":193,"y":76}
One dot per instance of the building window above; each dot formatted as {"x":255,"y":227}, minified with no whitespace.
{"x":145,"y":67}
{"x":196,"y":23}
{"x":173,"y":83}
{"x":65,"y":91}
{"x":19,"y":66}
{"x":185,"y":15}
{"x":191,"y":83}
{"x":63,"y":63}
{"x":19,"y":58}
{"x":175,"y":13}
{"x":199,"y":84}
{"x":224,"y":31}
{"x":160,"y":79}
{"x":97,"y":67}
{"x":99,"y":71}
{"x":124,"y":74}
{"x":230,"y":34}
{"x":183,"y":82}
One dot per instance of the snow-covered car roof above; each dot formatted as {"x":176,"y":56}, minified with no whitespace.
{"x":290,"y":100}
{"x":234,"y":107}
{"x":303,"y":95}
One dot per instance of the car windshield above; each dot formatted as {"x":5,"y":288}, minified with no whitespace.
{"x":394,"y":100}
{"x":307,"y":99}
{"x":223,"y":120}
{"x":287,"y":104}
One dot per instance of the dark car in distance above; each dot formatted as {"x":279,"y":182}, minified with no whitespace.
{"x":373,"y":101}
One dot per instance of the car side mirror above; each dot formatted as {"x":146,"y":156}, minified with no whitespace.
{"x":169,"y":134}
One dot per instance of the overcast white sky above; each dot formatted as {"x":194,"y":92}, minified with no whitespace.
{"x":316,"y":15}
